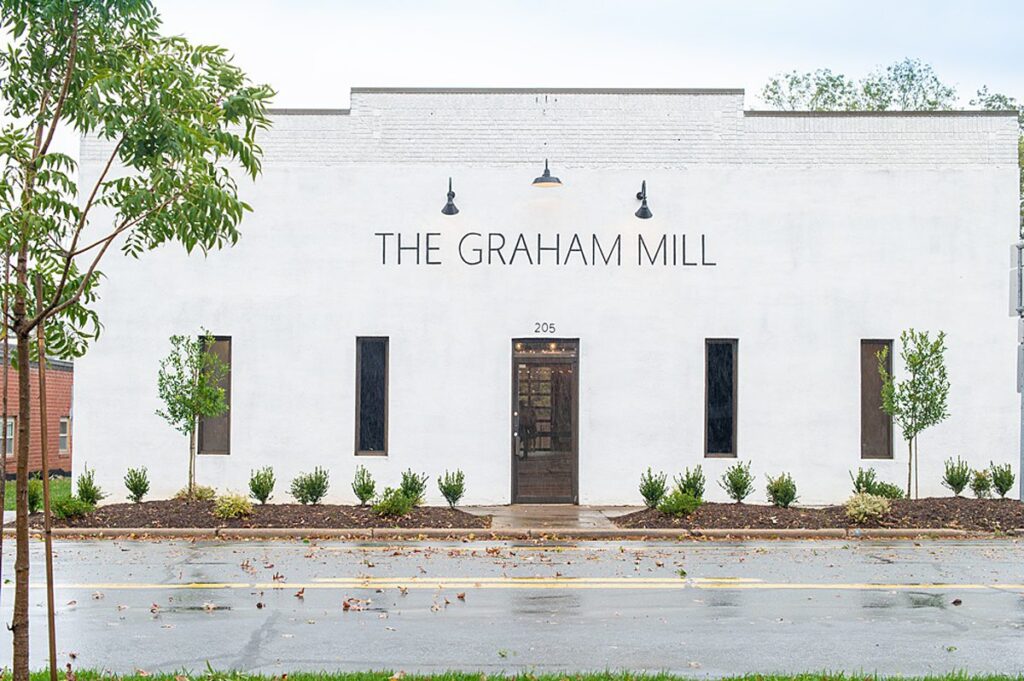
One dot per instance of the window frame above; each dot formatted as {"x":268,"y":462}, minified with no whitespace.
{"x":11,"y":441}
{"x":734,"y":343}
{"x":890,"y":445}
{"x":64,"y":422}
{"x":227,"y":414}
{"x":358,"y":397}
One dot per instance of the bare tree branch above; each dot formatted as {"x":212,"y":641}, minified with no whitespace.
{"x":72,"y":53}
{"x":83,"y":216}
{"x":104,"y":243}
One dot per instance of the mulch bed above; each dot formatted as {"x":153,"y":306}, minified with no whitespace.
{"x":933,"y":512}
{"x":174,"y":513}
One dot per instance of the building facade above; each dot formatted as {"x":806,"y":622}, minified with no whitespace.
{"x":548,"y":341}
{"x":60,"y":377}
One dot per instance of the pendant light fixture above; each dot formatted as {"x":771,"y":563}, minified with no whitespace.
{"x":449,"y":208}
{"x":643,"y":212}
{"x":547,"y":179}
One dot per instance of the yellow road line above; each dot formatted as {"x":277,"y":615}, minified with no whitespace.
{"x":627,"y":583}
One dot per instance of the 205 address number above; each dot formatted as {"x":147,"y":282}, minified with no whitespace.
{"x":544,"y":327}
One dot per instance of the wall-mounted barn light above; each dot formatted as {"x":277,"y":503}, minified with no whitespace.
{"x":449,"y":208}
{"x":643,"y":212}
{"x":547,"y":179}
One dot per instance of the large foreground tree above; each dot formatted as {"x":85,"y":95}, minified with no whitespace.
{"x":178,"y":121}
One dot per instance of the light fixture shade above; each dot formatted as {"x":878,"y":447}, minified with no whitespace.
{"x":547,"y":179}
{"x":450,"y":208}
{"x":643,"y":212}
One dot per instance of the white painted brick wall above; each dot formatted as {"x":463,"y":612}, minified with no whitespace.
{"x":615,"y":129}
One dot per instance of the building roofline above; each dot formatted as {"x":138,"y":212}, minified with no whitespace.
{"x":544,"y":91}
{"x":309,"y":112}
{"x":766,"y":113}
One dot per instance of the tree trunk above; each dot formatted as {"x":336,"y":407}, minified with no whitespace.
{"x":19,"y":623}
{"x":19,"y":620}
{"x":51,"y":627}
{"x":917,"y":462}
{"x":6,"y":379}
{"x":910,"y":464}
{"x":192,"y":463}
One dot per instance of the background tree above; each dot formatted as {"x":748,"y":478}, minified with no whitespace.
{"x":189,"y":384}
{"x":994,"y":101}
{"x":907,"y":85}
{"x":919,"y":401}
{"x":178,"y":120}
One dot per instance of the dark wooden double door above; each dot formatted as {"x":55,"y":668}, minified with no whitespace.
{"x":545,"y":389}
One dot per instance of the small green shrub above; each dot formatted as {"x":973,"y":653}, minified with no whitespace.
{"x":66,"y":508}
{"x":652,"y":487}
{"x":1002,"y":478}
{"x":781,"y":490}
{"x":981,"y":484}
{"x":957,"y":475}
{"x":887,"y":490}
{"x":137,"y":482}
{"x":414,"y":486}
{"x":310,"y":488}
{"x":35,"y":494}
{"x":199,"y":493}
{"x":261,"y":484}
{"x":737,"y":482}
{"x":88,"y":490}
{"x":363,"y":485}
{"x":864,"y":507}
{"x":452,"y":486}
{"x":230,"y":505}
{"x":393,"y":503}
{"x":692,"y":482}
{"x":864,"y":482}
{"x":678,"y":503}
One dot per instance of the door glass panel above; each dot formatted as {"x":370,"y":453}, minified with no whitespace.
{"x":544,"y":403}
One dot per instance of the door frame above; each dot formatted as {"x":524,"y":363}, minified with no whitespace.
{"x":514,"y":404}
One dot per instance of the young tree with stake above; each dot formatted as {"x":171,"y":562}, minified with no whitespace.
{"x":178,"y":120}
{"x":188,"y":383}
{"x":919,"y":401}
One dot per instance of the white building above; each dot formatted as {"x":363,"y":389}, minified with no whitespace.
{"x":547,"y":341}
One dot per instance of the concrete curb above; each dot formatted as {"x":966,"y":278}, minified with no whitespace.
{"x":471,"y":534}
{"x":907,"y":533}
{"x":291,"y":533}
{"x":764,"y":533}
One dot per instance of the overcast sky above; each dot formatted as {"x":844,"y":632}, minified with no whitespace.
{"x":313,"y":51}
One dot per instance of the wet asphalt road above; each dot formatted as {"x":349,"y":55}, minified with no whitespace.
{"x":740,"y":607}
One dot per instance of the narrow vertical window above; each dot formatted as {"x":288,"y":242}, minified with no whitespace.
{"x":215,"y":432}
{"x":720,"y":397}
{"x":64,"y":435}
{"x":371,"y":395}
{"x":875,"y":424}
{"x":10,"y":435}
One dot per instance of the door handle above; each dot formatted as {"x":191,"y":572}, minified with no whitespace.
{"x":515,"y":436}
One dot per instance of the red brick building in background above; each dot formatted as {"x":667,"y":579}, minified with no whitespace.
{"x":59,"y":383}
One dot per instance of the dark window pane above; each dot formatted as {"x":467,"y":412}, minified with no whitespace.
{"x":875,"y":424}
{"x":215,"y":433}
{"x":373,"y":367}
{"x":721,"y":403}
